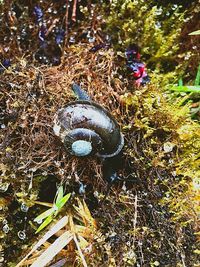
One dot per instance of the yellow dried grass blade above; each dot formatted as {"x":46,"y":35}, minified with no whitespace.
{"x":87,"y":211}
{"x":80,"y":252}
{"x":59,"y":225}
{"x":89,"y":216}
{"x":84,"y":212}
{"x":46,"y":204}
{"x":53,"y":249}
{"x":83,"y":243}
{"x":84,"y":231}
{"x":71,"y":224}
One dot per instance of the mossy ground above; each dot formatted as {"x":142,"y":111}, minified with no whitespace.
{"x":150,"y":217}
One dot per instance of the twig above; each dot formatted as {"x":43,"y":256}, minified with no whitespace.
{"x":51,"y":27}
{"x":66,"y":21}
{"x":135,"y":216}
{"x":74,"y":11}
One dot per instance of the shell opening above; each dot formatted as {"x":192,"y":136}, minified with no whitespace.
{"x":81,"y":148}
{"x":116,"y":152}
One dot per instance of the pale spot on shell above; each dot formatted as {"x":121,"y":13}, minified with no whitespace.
{"x":56,"y":129}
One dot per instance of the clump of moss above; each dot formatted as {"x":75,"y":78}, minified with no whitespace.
{"x":153,"y":197}
{"x":160,"y":30}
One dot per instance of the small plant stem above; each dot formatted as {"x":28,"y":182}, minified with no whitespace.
{"x":135,"y":215}
{"x":80,"y":252}
{"x":197,"y":79}
{"x":74,"y":11}
{"x":180,"y":103}
{"x":66,"y":21}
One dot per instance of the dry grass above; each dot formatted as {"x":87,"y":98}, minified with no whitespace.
{"x":31,"y":96}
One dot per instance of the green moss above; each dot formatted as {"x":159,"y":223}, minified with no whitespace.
{"x":170,"y":136}
{"x":156,"y":28}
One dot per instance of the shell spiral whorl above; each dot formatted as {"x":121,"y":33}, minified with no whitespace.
{"x":86,"y":128}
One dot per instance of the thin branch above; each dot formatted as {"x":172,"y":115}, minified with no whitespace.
{"x":74,"y":11}
{"x":135,"y":215}
{"x":66,"y":21}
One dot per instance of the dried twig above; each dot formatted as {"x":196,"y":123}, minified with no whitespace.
{"x":74,"y":11}
{"x":51,"y":27}
{"x":66,"y":21}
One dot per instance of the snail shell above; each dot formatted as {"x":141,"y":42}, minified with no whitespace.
{"x":87,"y":128}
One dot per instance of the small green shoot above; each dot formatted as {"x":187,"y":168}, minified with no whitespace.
{"x":197,"y":79}
{"x":187,"y":88}
{"x":51,"y":213}
{"x":59,"y":194}
{"x":180,"y":82}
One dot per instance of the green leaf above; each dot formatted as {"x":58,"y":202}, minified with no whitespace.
{"x":45,"y":214}
{"x":180,"y":82}
{"x":62,"y":202}
{"x":195,"y":33}
{"x":194,"y":89}
{"x":59,"y":194}
{"x":197,"y":79}
{"x":44,"y":224}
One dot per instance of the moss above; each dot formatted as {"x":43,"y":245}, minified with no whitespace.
{"x":158,"y":29}
{"x":150,"y":216}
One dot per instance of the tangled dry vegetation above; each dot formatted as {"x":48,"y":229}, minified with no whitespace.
{"x":150,"y":216}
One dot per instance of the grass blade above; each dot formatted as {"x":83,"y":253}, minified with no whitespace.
{"x":53,"y":249}
{"x":59,"y":194}
{"x":45,"y":214}
{"x":197,"y":79}
{"x":59,"y":225}
{"x":195,"y":33}
{"x":193,"y":89}
{"x":62,"y":202}
{"x":80,"y":252}
{"x":46,"y":204}
{"x":180,"y":82}
{"x":44,"y":224}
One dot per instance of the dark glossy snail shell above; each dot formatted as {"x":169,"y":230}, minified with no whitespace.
{"x":87,"y":123}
